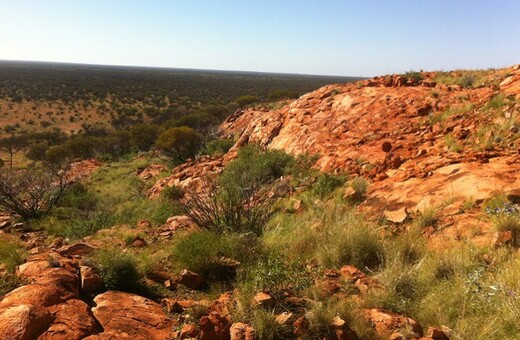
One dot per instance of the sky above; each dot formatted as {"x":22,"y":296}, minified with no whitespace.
{"x":326,"y":37}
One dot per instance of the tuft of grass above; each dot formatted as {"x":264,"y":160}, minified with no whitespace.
{"x":427,"y":217}
{"x":326,"y":184}
{"x":332,"y":235}
{"x":12,"y":253}
{"x":266,"y":327}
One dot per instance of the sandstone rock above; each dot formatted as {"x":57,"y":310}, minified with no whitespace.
{"x":390,"y":324}
{"x":342,"y":330}
{"x":242,"y":331}
{"x":23,"y":322}
{"x":396,"y":216}
{"x":90,"y":282}
{"x":501,"y":238}
{"x":138,"y":242}
{"x":283,"y":318}
{"x":172,"y":306}
{"x":127,"y":315}
{"x":188,"y":331}
{"x":215,"y":326}
{"x":301,"y":325}
{"x":144,"y":224}
{"x":190,"y":279}
{"x":435,"y":333}
{"x":80,"y":249}
{"x":263,"y":300}
{"x":73,"y":320}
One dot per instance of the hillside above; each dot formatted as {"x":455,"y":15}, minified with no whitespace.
{"x":387,"y":208}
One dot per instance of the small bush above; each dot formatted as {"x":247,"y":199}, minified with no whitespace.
{"x":414,"y":76}
{"x":172,"y":193}
{"x":326,"y":184}
{"x":360,"y":186}
{"x":201,"y":251}
{"x":278,"y":275}
{"x":218,"y":147}
{"x":12,"y":254}
{"x":118,"y":270}
{"x":239,"y":201}
{"x":266,"y":327}
{"x":246,"y":100}
{"x":8,"y":283}
{"x":427,"y":217}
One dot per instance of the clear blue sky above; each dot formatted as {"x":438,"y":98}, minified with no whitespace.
{"x":336,"y":37}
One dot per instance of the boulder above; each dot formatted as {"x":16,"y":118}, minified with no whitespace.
{"x":73,"y":320}
{"x":263,"y":300}
{"x":132,"y":316}
{"x":392,"y":325}
{"x":90,"y":281}
{"x":23,"y":322}
{"x":242,"y":331}
{"x":190,"y":279}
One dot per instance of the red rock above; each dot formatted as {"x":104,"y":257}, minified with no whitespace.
{"x":144,"y":224}
{"x":301,"y":325}
{"x":188,"y":331}
{"x":138,"y":242}
{"x":263,"y":300}
{"x":215,"y":326}
{"x":396,"y":216}
{"x":283,"y":318}
{"x":190,"y":279}
{"x":501,"y":238}
{"x":242,"y":331}
{"x":342,"y":330}
{"x":90,"y":281}
{"x":23,"y":321}
{"x":390,"y":324}
{"x":73,"y":320}
{"x":435,"y":333}
{"x":127,"y":315}
{"x":81,"y":249}
{"x":172,"y":306}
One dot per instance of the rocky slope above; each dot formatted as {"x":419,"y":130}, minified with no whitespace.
{"x":422,"y":145}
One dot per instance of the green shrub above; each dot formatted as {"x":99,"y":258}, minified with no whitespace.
{"x":427,"y":217}
{"x":12,"y":253}
{"x":172,"y":193}
{"x":326,"y":184}
{"x":266,"y":327}
{"x":218,"y":147}
{"x":180,"y":142}
{"x":239,"y":201}
{"x":467,"y":81}
{"x":118,"y":270}
{"x":414,"y":76}
{"x":360,"y":186}
{"x":201,"y":252}
{"x":8,"y":283}
{"x":278,"y":275}
{"x":246,"y":100}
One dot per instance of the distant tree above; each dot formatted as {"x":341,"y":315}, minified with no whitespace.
{"x":180,"y":142}
{"x":12,"y":145}
{"x":282,"y":94}
{"x":246,"y":100}
{"x":37,"y":151}
{"x":143,"y":136}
